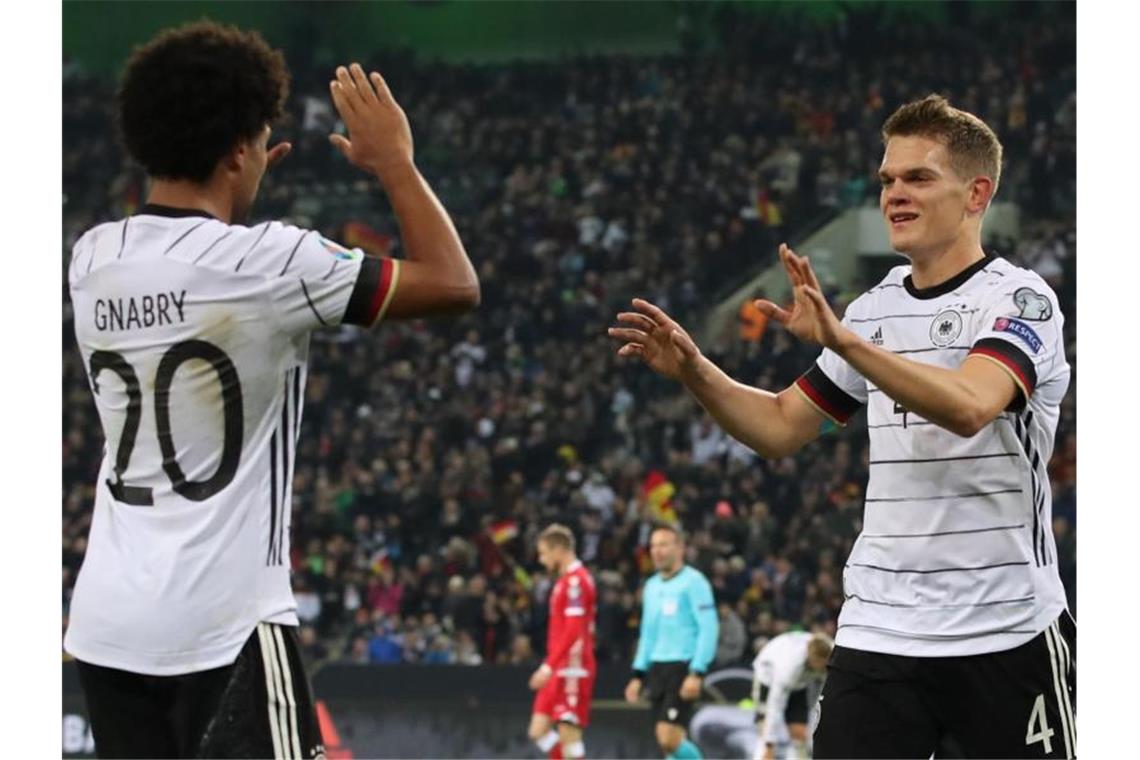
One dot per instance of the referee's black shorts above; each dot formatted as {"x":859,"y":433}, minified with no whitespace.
{"x":663,"y":687}
{"x":260,"y":706}
{"x":1020,"y":703}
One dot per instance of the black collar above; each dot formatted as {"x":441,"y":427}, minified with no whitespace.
{"x":156,"y":209}
{"x":946,"y":286}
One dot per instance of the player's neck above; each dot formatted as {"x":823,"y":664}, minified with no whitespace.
{"x":191,"y":195}
{"x":566,"y":565}
{"x":936,"y":267}
{"x":667,"y":574}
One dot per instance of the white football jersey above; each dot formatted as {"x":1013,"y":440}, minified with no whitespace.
{"x":195,"y":335}
{"x":956,"y":555}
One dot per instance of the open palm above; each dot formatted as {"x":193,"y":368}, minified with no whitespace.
{"x":810,"y":317}
{"x":654,"y":337}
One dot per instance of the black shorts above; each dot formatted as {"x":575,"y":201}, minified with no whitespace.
{"x":1020,"y":703}
{"x":260,"y":706}
{"x":663,"y":687}
{"x":795,"y":711}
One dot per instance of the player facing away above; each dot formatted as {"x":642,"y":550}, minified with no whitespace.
{"x":677,"y":642}
{"x":787,"y":675}
{"x":565,"y":680}
{"x":955,"y":620}
{"x":195,"y":331}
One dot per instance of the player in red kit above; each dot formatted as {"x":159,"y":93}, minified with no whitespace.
{"x":565,"y":680}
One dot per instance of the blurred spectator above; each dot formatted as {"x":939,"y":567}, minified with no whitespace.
{"x":733,"y":637}
{"x":387,"y":645}
{"x":521,"y":652}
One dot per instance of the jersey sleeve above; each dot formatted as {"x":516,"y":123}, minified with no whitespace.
{"x":708,"y":625}
{"x":319,"y":283}
{"x":833,"y":386}
{"x":647,"y":637}
{"x":1022,"y":331}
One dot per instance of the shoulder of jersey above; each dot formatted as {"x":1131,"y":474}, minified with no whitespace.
{"x":888,"y":287}
{"x":263,"y":248}
{"x":1002,"y":279}
{"x":91,"y":236}
{"x":1001,"y":271}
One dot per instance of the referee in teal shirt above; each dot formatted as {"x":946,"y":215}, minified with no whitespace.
{"x":679,"y":630}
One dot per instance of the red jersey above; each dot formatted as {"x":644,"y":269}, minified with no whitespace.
{"x":570,"y":631}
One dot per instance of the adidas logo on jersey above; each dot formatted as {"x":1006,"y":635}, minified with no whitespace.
{"x":877,"y":338}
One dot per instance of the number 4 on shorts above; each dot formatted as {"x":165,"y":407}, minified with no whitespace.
{"x":1043,"y":732}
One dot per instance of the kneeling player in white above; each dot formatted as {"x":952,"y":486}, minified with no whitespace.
{"x":787,"y":675}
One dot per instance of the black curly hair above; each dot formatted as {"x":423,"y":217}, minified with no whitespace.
{"x":192,"y":93}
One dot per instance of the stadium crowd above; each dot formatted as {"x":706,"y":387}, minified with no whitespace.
{"x":432,"y":453}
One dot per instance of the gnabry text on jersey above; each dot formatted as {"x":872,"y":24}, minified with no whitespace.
{"x":131,"y":312}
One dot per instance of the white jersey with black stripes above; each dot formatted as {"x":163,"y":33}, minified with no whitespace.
{"x":195,"y":336}
{"x":956,"y":555}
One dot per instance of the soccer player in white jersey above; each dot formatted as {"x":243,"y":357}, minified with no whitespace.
{"x":787,"y":674}
{"x":955,"y":621}
{"x":195,"y":331}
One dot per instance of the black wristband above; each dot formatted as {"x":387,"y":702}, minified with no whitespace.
{"x":639,"y":675}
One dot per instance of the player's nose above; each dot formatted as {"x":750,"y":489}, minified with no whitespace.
{"x":893,"y":193}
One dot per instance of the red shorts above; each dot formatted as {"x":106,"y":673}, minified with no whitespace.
{"x":566,"y":699}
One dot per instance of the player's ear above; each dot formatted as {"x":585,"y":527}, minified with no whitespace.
{"x":981,"y":193}
{"x":233,"y":160}
{"x":238,"y":155}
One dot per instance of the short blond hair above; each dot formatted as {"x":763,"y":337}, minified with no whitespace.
{"x":557,"y":535}
{"x":820,"y":646}
{"x":974,"y":148}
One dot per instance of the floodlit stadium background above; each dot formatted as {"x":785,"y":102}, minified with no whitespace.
{"x":588,"y":153}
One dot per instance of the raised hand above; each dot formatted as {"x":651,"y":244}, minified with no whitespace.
{"x":810,"y":318}
{"x":379,"y":136}
{"x":652,"y":336}
{"x":276,"y":154}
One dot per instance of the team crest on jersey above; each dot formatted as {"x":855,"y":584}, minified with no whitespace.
{"x":338,"y":250}
{"x":1032,"y":305}
{"x":1020,"y":329}
{"x":945,"y":328}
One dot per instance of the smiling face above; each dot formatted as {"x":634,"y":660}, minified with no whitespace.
{"x":926,"y":204}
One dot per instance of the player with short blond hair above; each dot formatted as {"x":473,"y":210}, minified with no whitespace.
{"x":955,"y":620}
{"x":565,"y":680}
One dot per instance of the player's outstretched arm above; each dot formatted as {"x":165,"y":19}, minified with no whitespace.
{"x":771,"y":424}
{"x":962,"y":400}
{"x":437,"y":277}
